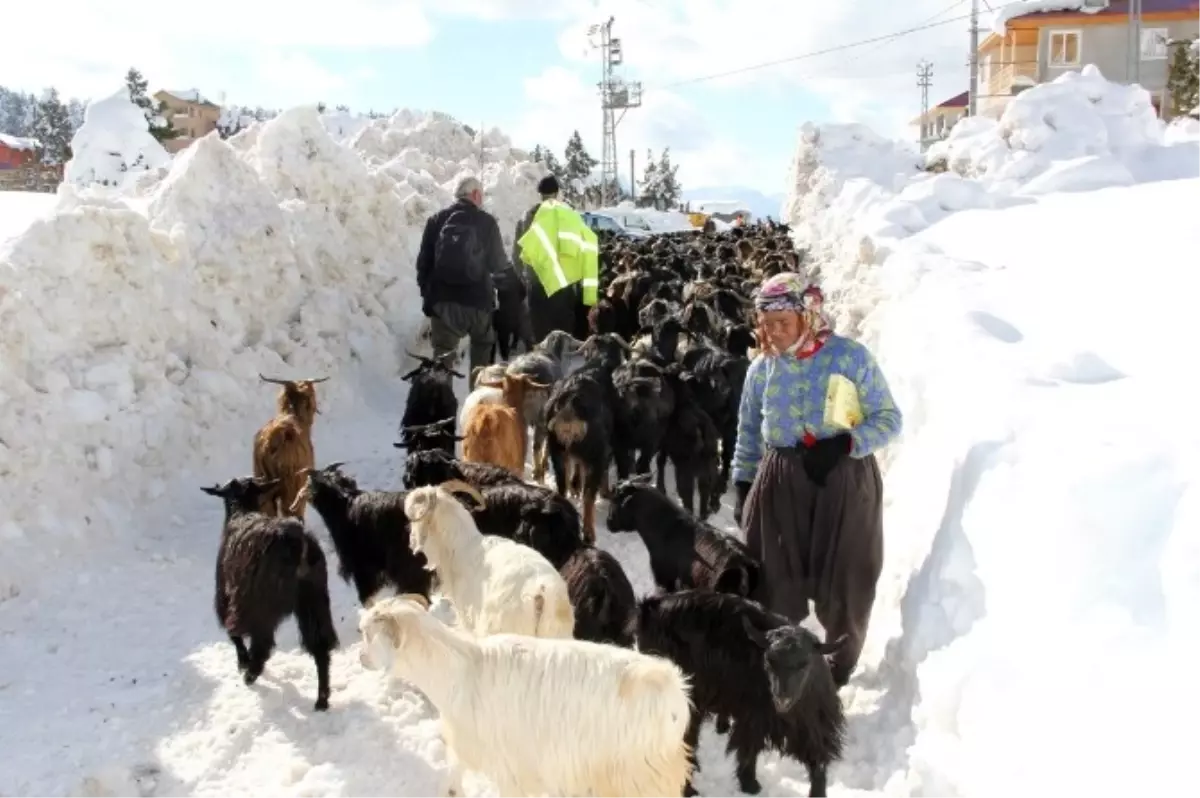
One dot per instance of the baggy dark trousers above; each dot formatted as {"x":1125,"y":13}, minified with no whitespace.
{"x":819,"y":543}
{"x":452,"y":322}
{"x":549,"y":313}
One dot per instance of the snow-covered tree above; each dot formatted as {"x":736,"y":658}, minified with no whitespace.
{"x":577,"y":170}
{"x":649,"y":188}
{"x":52,"y":128}
{"x":158,"y":117}
{"x":545,"y":156}
{"x":669,"y":190}
{"x":17,"y":112}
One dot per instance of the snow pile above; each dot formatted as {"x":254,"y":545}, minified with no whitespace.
{"x":113,"y":146}
{"x":135,"y":323}
{"x":1013,"y":10}
{"x":1043,"y":555}
{"x":19,"y":143}
{"x":1075,"y":133}
{"x":18,"y":210}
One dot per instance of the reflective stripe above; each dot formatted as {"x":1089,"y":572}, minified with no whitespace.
{"x":590,"y":282}
{"x":586,"y":246}
{"x":552,"y":251}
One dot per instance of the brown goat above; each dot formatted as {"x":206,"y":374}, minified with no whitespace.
{"x":497,"y":433}
{"x":283,"y":448}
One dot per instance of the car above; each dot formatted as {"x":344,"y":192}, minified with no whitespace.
{"x":625,"y":227}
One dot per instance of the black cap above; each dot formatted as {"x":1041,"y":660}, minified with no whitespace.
{"x":548,"y":185}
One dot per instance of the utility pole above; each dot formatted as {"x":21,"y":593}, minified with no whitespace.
{"x":632,"y":178}
{"x":615,"y":95}
{"x":973,"y":86}
{"x":924,"y":81}
{"x":1134,"y":68}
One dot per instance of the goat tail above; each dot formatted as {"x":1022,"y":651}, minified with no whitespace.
{"x":567,"y":427}
{"x":557,"y":620}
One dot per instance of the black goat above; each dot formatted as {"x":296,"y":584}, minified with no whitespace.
{"x":601,"y":595}
{"x":586,"y":426}
{"x":370,"y":534}
{"x":438,"y":436}
{"x":548,"y":363}
{"x":770,"y":679}
{"x":268,"y":568}
{"x":532,"y":515}
{"x":648,"y":401}
{"x":692,"y":443}
{"x":684,"y":552}
{"x":435,"y":467}
{"x":717,"y":389}
{"x":431,"y":395}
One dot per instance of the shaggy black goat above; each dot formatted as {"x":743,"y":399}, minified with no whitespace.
{"x":438,"y":436}
{"x":532,"y":515}
{"x":370,"y":533}
{"x":717,"y":389}
{"x":601,"y":595}
{"x":268,"y":568}
{"x":648,"y":401}
{"x":586,"y":426}
{"x":770,"y":679}
{"x":548,"y":363}
{"x":692,"y":443}
{"x":435,"y":467}
{"x":683,"y":552}
{"x":431,"y":396}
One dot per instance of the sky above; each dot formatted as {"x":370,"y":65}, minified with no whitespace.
{"x":526,"y":67}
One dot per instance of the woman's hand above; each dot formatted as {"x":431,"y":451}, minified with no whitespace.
{"x":824,"y":455}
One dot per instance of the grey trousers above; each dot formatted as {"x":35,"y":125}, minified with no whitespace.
{"x":452,"y":322}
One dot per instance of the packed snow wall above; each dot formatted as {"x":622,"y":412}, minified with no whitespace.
{"x":135,"y":320}
{"x":1041,"y":544}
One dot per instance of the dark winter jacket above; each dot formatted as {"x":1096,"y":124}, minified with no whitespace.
{"x":522,"y":226}
{"x":481,"y":294}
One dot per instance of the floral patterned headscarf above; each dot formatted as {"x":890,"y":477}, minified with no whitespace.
{"x":790,"y":291}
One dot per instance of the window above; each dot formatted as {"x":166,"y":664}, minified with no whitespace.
{"x":1064,"y":48}
{"x":1154,"y":44}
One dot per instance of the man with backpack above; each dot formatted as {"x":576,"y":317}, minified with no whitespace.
{"x":458,"y":268}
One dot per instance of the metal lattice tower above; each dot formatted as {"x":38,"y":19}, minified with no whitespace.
{"x":615,"y":95}
{"x":924,"y":81}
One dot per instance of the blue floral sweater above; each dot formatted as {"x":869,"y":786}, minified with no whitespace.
{"x":785,"y":396}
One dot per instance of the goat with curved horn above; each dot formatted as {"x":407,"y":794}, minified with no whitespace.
{"x":459,"y":487}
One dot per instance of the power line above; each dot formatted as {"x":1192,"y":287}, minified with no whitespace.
{"x":826,"y":51}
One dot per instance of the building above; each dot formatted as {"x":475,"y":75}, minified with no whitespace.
{"x":936,"y":123}
{"x":1038,"y":46}
{"x":16,"y":152}
{"x":191,"y":114}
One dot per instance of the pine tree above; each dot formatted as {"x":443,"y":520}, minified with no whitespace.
{"x":1183,"y":85}
{"x":577,"y":170}
{"x":669,"y":190}
{"x":16,"y":112}
{"x":158,"y":118}
{"x":321,"y":107}
{"x":649,"y":190}
{"x":52,"y":128}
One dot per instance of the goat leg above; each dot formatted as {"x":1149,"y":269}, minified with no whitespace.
{"x":243,"y":656}
{"x":539,"y":452}
{"x":816,"y":781}
{"x":685,"y":486}
{"x":261,"y":646}
{"x":691,"y":738}
{"x":661,"y":481}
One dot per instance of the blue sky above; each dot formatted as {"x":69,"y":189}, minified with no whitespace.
{"x":523,"y":65}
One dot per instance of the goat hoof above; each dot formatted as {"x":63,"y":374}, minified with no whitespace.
{"x":251,"y":676}
{"x":689,"y":790}
{"x":322,"y":703}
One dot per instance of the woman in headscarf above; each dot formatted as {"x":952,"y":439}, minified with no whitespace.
{"x":815,"y":408}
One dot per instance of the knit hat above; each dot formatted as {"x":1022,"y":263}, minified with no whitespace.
{"x":548,"y":186}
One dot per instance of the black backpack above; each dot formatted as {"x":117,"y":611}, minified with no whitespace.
{"x":459,"y":257}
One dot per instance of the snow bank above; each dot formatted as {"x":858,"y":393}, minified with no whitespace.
{"x":1043,"y":541}
{"x":135,"y":322}
{"x":113,"y":146}
{"x":18,"y":210}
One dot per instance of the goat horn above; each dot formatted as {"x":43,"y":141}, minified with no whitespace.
{"x":458,"y":486}
{"x":273,"y":380}
{"x":318,"y":379}
{"x":421,"y":358}
{"x":335,"y":466}
{"x":415,"y":598}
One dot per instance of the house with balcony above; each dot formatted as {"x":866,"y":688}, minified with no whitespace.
{"x":935,"y":124}
{"x":190,"y":113}
{"x":1028,"y":47}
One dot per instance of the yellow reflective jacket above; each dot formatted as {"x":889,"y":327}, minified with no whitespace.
{"x":562,"y":250}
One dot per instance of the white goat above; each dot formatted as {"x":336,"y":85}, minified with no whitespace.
{"x":482,"y":394}
{"x":496,"y":585}
{"x":538,"y":716}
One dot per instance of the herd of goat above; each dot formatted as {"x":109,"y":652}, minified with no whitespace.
{"x":548,"y":627}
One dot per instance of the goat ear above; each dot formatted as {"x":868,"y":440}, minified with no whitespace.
{"x":400,"y":444}
{"x":460,"y":437}
{"x":756,"y":637}
{"x":408,"y":377}
{"x":458,"y":374}
{"x":215,"y":490}
{"x":832,"y":648}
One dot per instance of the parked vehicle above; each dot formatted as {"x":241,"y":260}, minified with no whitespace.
{"x":623,"y":227}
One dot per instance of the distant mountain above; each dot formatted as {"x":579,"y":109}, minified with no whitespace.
{"x":758,"y":203}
